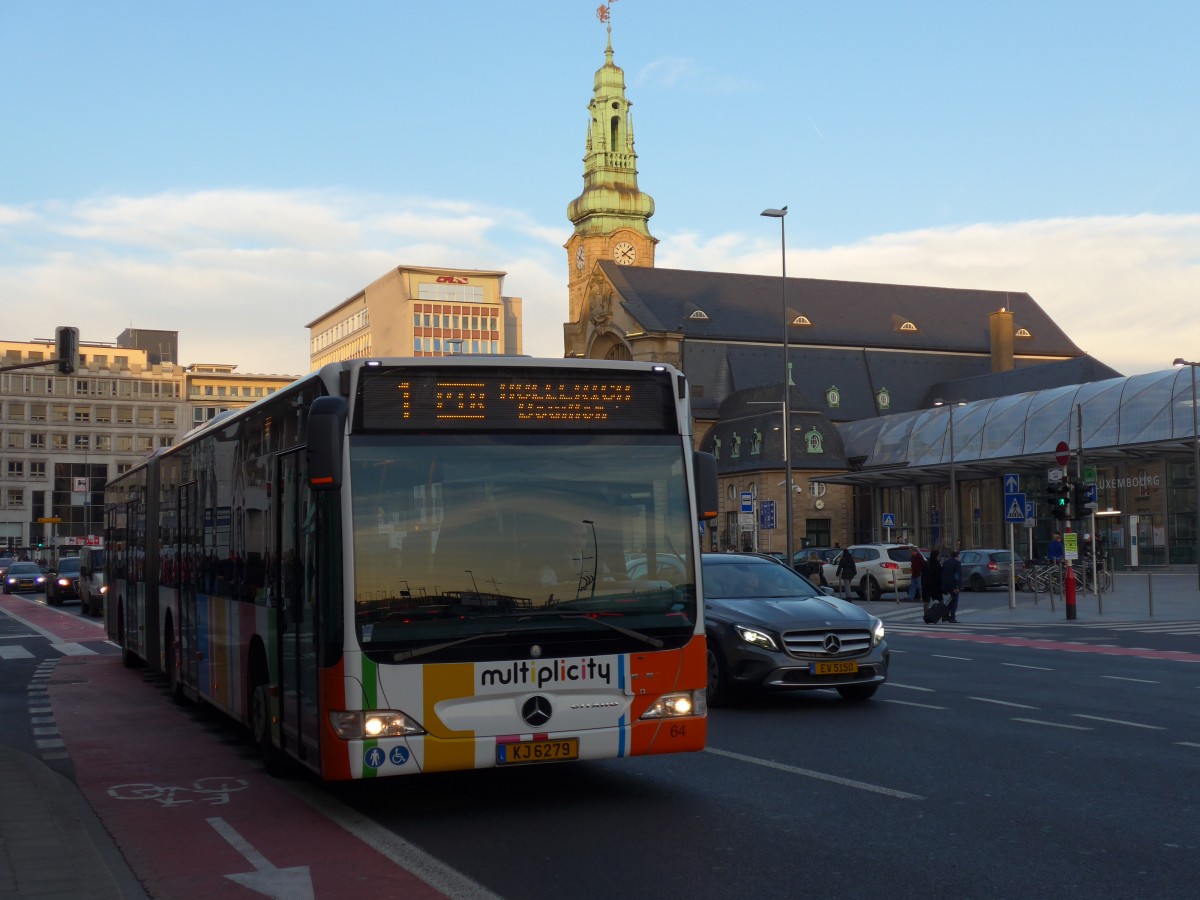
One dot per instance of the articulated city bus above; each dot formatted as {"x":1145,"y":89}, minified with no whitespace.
{"x":416,"y":565}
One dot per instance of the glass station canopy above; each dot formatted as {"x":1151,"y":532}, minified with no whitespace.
{"x":1115,"y":419}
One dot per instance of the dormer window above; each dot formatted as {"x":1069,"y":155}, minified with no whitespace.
{"x":699,"y":315}
{"x":802,"y":322}
{"x":908,"y":326}
{"x":1023,"y":333}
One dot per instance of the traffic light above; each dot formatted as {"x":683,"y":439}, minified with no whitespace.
{"x":66,"y":338}
{"x":1060,"y":500}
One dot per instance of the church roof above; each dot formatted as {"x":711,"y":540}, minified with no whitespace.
{"x":838,"y":313}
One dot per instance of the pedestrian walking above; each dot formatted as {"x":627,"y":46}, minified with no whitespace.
{"x":846,"y":572}
{"x":952,"y":583}
{"x":917,"y":564}
{"x":931,"y":579}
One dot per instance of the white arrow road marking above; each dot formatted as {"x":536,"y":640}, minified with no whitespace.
{"x":281,"y":884}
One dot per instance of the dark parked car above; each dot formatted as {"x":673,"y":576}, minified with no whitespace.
{"x":982,"y":569}
{"x":770,"y":629}
{"x":63,"y":583}
{"x":5,"y":562}
{"x":24,"y":578}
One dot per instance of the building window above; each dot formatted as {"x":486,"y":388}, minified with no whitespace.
{"x":15,"y":498}
{"x":166,"y":417}
{"x":104,"y":443}
{"x":122,"y":468}
{"x":59,"y":413}
{"x":81,"y":387}
{"x":144,"y":444}
{"x":15,"y":440}
{"x":124,"y":443}
{"x":103,"y":415}
{"x":16,"y":468}
{"x":83,"y":442}
{"x":59,"y":442}
{"x":164,"y":441}
{"x":37,"y":469}
{"x":37,"y":441}
{"x":83,"y":415}
{"x":124,"y":415}
{"x":37,"y":412}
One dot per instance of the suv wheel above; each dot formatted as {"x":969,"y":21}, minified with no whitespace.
{"x":870,"y":589}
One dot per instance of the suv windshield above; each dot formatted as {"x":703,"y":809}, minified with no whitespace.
{"x":68,"y":565}
{"x":474,"y":543}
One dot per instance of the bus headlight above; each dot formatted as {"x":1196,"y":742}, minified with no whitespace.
{"x":357,"y":725}
{"x":674,"y":706}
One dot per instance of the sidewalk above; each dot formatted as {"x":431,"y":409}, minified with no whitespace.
{"x":52,"y":846}
{"x":1136,"y":597}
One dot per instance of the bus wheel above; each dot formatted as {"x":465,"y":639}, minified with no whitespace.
{"x":129,"y":659}
{"x":172,"y":662}
{"x":260,"y":728}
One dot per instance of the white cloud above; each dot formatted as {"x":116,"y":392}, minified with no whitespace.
{"x":239,"y":273}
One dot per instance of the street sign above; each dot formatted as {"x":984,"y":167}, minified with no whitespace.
{"x":889,"y":520}
{"x":1030,"y":514}
{"x":1071,"y":545}
{"x":746,"y":520}
{"x":79,"y":485}
{"x":1054,"y":475}
{"x":766,"y":515}
{"x":1062,"y":453}
{"x":1014,"y":507}
{"x":49,"y":520}
{"x":747,"y":502}
{"x":1012,"y":484}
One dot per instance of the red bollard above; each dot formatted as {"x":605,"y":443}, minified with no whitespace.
{"x":1069,"y":591}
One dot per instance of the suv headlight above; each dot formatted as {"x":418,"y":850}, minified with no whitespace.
{"x":756,"y":637}
{"x":877,"y":632}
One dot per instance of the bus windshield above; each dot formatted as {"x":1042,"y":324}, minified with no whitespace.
{"x":465,"y":545}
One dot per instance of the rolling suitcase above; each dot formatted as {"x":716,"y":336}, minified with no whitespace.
{"x":937,"y":612}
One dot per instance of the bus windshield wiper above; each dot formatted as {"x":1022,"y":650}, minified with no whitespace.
{"x":402,"y":655}
{"x":628,"y":632}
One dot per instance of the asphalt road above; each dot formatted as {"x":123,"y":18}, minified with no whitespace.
{"x":998,"y":762}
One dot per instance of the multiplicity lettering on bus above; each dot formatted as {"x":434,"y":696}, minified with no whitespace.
{"x":1137,"y":481}
{"x":551,"y":672}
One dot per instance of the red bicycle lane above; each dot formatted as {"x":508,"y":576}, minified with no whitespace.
{"x":67,"y":626}
{"x":194,"y":815}
{"x":1068,"y":646}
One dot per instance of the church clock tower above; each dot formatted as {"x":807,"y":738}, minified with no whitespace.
{"x":611,"y":214}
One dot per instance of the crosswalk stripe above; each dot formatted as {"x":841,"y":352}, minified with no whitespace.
{"x":17,"y":652}
{"x":69,"y":648}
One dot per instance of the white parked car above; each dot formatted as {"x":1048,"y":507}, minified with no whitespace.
{"x":879,"y":568}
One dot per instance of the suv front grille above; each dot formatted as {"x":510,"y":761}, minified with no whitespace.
{"x":811,"y":644}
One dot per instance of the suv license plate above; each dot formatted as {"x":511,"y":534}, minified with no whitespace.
{"x":537,"y":751}
{"x":844,"y":667}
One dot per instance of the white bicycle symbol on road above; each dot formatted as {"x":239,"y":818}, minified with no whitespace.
{"x":213,"y":791}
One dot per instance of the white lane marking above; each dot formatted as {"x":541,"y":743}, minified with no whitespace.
{"x":809,"y":773}
{"x":1137,"y":680}
{"x":70,"y":648}
{"x":1003,"y":703}
{"x":1019,"y":666}
{"x":910,"y":703}
{"x":1118,"y":722}
{"x":416,"y":861}
{"x":909,"y":687}
{"x":1054,"y":724}
{"x":1187,"y":744}
{"x":15,"y":653}
{"x":293,"y":883}
{"x":960,"y":658}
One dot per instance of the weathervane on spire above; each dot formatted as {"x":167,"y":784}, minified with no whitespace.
{"x":604,"y":13}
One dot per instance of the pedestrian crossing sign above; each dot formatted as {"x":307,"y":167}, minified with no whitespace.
{"x":1014,"y":508}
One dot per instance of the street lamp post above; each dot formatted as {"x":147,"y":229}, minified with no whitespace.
{"x":953,"y":518}
{"x":787,"y":404}
{"x":1180,"y":361}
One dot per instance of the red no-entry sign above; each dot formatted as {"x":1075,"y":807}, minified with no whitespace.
{"x":1062,"y":453}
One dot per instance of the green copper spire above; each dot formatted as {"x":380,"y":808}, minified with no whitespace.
{"x":610,"y":198}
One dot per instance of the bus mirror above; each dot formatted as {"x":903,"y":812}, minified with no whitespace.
{"x":326,"y":435}
{"x":704,"y":471}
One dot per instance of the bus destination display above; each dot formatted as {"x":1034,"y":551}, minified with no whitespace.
{"x":515,"y":399}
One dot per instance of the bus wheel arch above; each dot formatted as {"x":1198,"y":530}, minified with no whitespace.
{"x":259,"y":707}
{"x":129,"y":658}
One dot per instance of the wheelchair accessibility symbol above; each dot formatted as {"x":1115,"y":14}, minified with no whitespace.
{"x":398,"y":756}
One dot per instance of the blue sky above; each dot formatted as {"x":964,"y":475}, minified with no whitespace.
{"x":232,"y":170}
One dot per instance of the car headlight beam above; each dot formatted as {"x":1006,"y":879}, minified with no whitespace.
{"x":877,"y":631}
{"x":756,"y":637}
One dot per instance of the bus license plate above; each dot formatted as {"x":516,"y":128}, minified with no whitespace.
{"x":537,"y":751}
{"x":844,"y":667}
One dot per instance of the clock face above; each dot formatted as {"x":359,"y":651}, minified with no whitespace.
{"x":624,"y":253}
{"x":579,"y":257}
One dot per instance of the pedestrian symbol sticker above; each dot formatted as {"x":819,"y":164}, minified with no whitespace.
{"x":374,"y":757}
